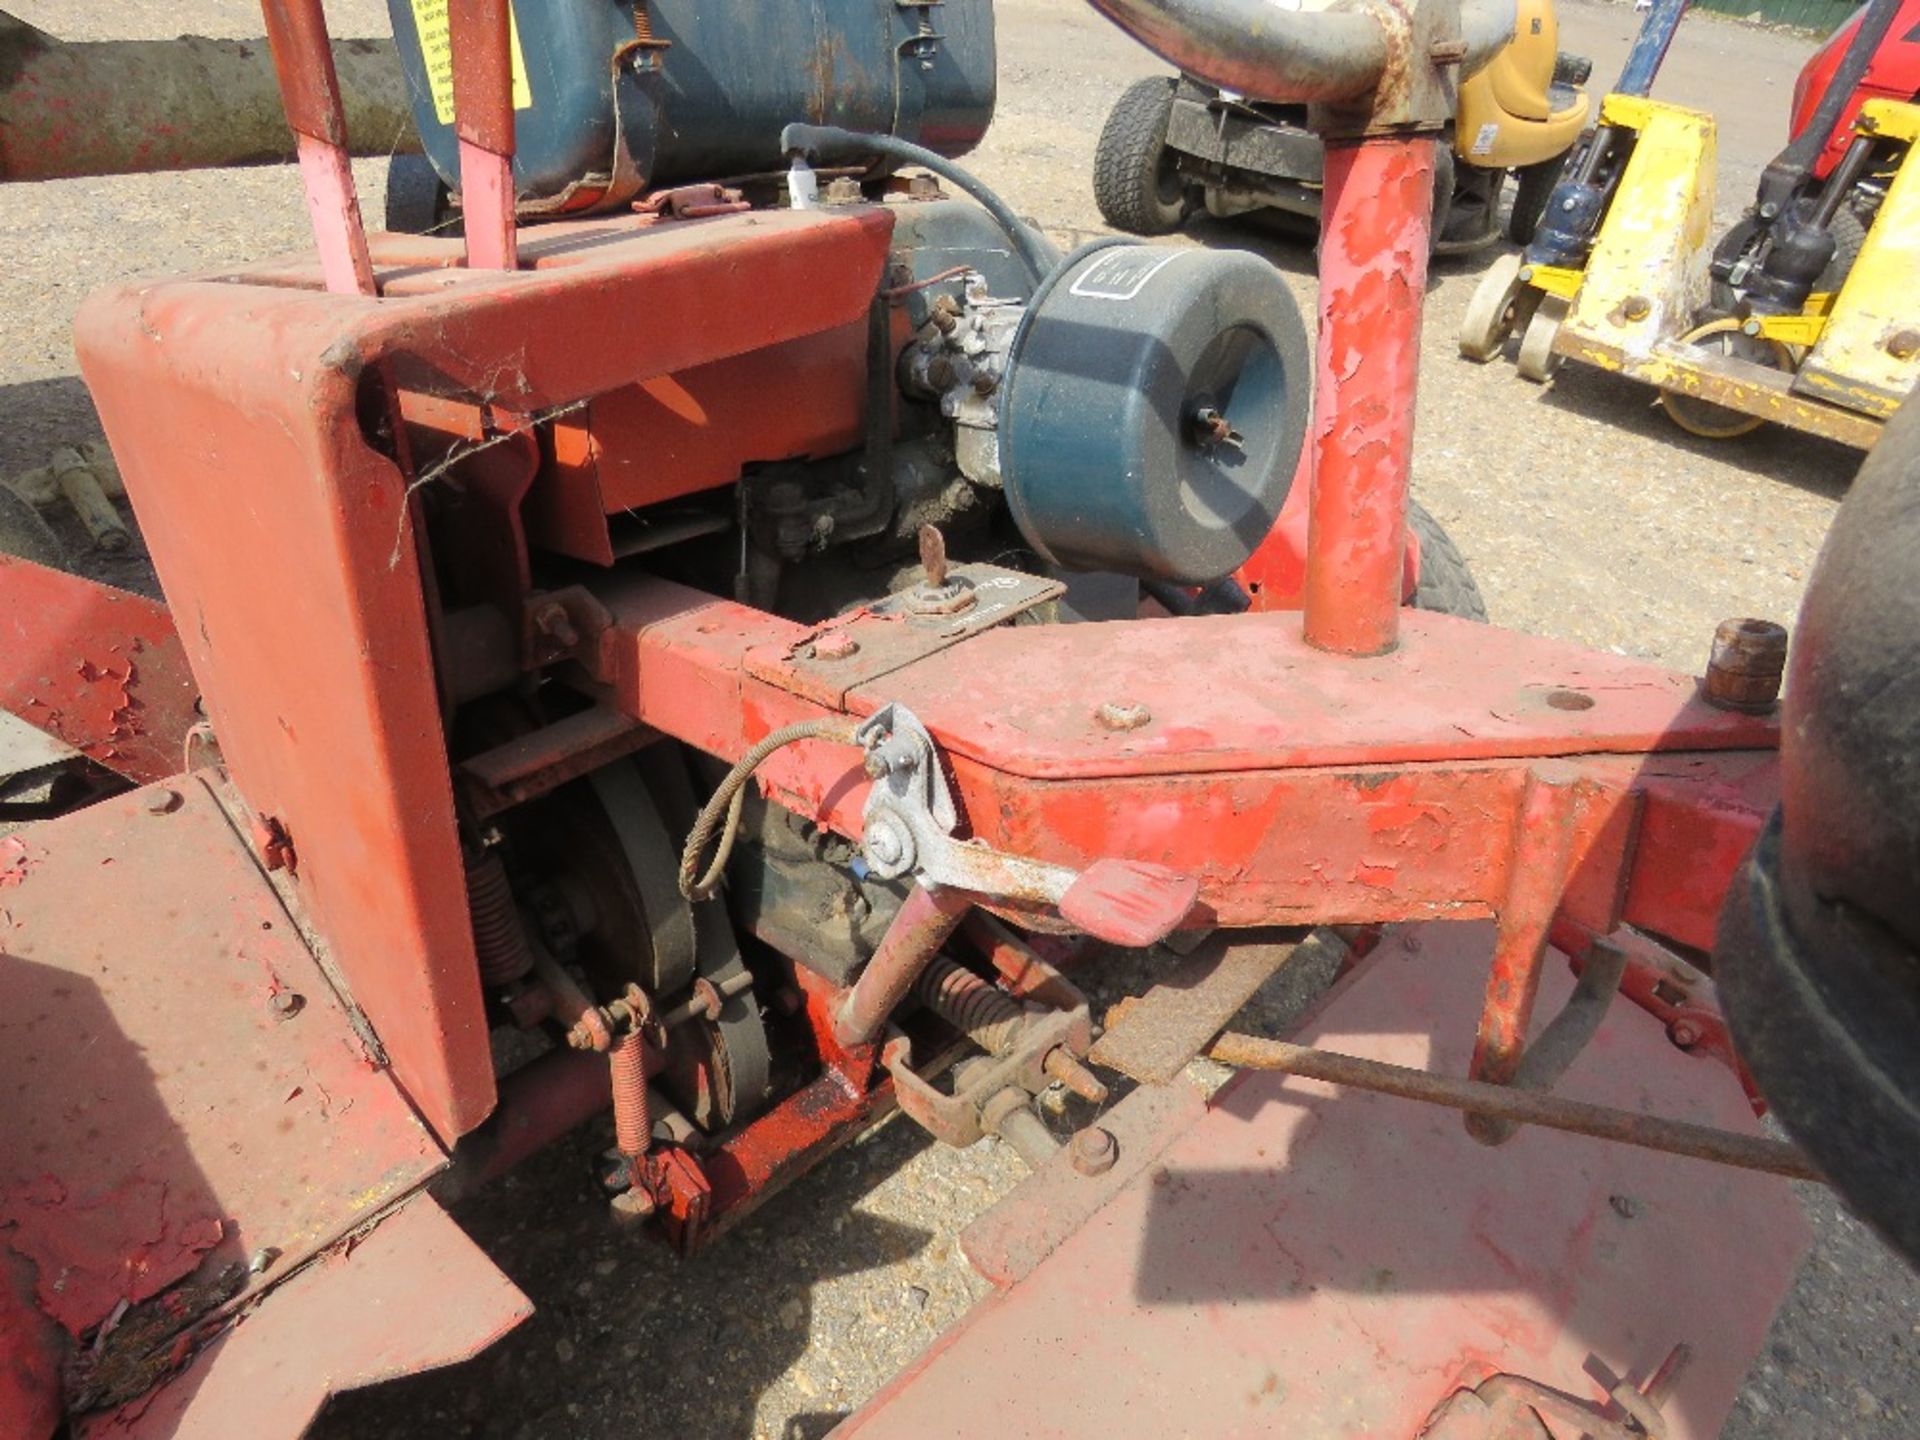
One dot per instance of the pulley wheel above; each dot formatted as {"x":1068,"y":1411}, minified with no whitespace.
{"x":1537,"y":358}
{"x":1501,"y":304}
{"x":719,"y":1071}
{"x":1722,"y":422}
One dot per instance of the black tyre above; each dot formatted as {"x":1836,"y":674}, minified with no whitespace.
{"x":418,"y":202}
{"x":1849,"y":233}
{"x":1446,"y":584}
{"x":1135,"y":182}
{"x":1533,"y":184}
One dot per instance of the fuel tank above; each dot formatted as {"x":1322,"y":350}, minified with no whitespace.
{"x":612,"y":96}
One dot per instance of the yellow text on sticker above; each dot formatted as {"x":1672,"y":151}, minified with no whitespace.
{"x":436,"y":49}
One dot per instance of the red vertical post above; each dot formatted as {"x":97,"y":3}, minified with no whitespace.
{"x":1375,"y":223}
{"x":310,"y":92}
{"x":481,"y":35}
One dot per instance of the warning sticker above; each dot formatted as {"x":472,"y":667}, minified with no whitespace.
{"x":436,"y":49}
{"x":1120,"y":273}
{"x":1483,"y":140}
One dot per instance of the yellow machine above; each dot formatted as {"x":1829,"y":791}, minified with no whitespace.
{"x":1644,"y":305}
{"x":1526,"y":82}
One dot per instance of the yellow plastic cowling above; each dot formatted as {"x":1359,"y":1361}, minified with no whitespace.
{"x":1505,"y":119}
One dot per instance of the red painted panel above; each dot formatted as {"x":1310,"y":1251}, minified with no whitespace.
{"x":1307,"y":1261}
{"x":283,"y":538}
{"x":181,"y":1085}
{"x":100,"y":668}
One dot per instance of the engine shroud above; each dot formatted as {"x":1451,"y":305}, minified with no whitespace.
{"x":1156,"y":405}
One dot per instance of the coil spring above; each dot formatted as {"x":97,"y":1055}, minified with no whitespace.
{"x":970,"y":1004}
{"x":632,"y":1120}
{"x":642,"y":21}
{"x":498,"y":939}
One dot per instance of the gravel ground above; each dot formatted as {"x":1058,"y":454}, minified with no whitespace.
{"x":1585,"y":514}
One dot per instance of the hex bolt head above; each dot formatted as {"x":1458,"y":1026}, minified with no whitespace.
{"x":835,"y":645}
{"x":630,"y":1207}
{"x":1684,"y":1033}
{"x":285,"y":1004}
{"x":162,"y":802}
{"x":1094,"y":1150}
{"x":1746,"y":664}
{"x":1122,"y":715}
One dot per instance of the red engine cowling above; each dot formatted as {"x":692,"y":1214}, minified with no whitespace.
{"x":1893,"y":75}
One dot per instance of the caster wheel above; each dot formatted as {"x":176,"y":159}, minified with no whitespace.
{"x":1502,"y":304}
{"x":1537,"y":359}
{"x":1721,"y":422}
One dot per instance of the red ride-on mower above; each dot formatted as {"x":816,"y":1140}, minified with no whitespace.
{"x":640,"y":668}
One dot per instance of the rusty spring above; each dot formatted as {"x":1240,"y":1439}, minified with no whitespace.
{"x":498,"y":939}
{"x":961,"y":998}
{"x":632,"y":1119}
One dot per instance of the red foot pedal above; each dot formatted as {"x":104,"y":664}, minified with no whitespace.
{"x":1128,"y":903}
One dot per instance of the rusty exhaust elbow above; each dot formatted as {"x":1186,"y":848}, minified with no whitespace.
{"x":1255,"y":48}
{"x":1258,"y":49}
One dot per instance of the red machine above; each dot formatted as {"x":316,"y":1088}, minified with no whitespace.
{"x":1892,"y":74}
{"x":580,"y":730}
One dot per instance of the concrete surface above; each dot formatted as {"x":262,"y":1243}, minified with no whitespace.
{"x":1585,"y":514}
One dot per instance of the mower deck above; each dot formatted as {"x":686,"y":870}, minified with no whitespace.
{"x":191,"y":1115}
{"x":1339,"y":1263}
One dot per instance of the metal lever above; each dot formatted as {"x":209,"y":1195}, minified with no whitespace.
{"x":910,"y":820}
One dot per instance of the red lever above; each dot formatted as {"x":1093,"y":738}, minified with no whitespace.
{"x":1125,"y":902}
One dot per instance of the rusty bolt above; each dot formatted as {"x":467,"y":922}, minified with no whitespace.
{"x":553,"y":622}
{"x":1904,"y":344}
{"x":835,"y":645}
{"x":632,"y":1206}
{"x":162,"y":802}
{"x":1122,"y":715}
{"x":1447,"y":52}
{"x":1094,"y":1150}
{"x":842,"y":190}
{"x":923,"y":187}
{"x":285,"y":1004}
{"x":1747,"y":661}
{"x":933,"y":555}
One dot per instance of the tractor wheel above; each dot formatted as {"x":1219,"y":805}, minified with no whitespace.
{"x":24,"y":534}
{"x":1446,"y":585}
{"x":418,"y":202}
{"x":1537,"y":361}
{"x":1533,"y":184}
{"x":1502,"y":304}
{"x":1135,"y":182}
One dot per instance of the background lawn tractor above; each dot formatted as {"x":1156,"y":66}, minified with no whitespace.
{"x":1174,"y":147}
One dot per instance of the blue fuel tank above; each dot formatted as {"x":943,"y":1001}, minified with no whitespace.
{"x":612,"y":96}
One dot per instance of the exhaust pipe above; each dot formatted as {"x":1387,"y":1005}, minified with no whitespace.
{"x":1260,"y":50}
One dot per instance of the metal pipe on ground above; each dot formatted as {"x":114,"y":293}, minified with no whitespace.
{"x":1525,"y":1107}
{"x":117,"y":107}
